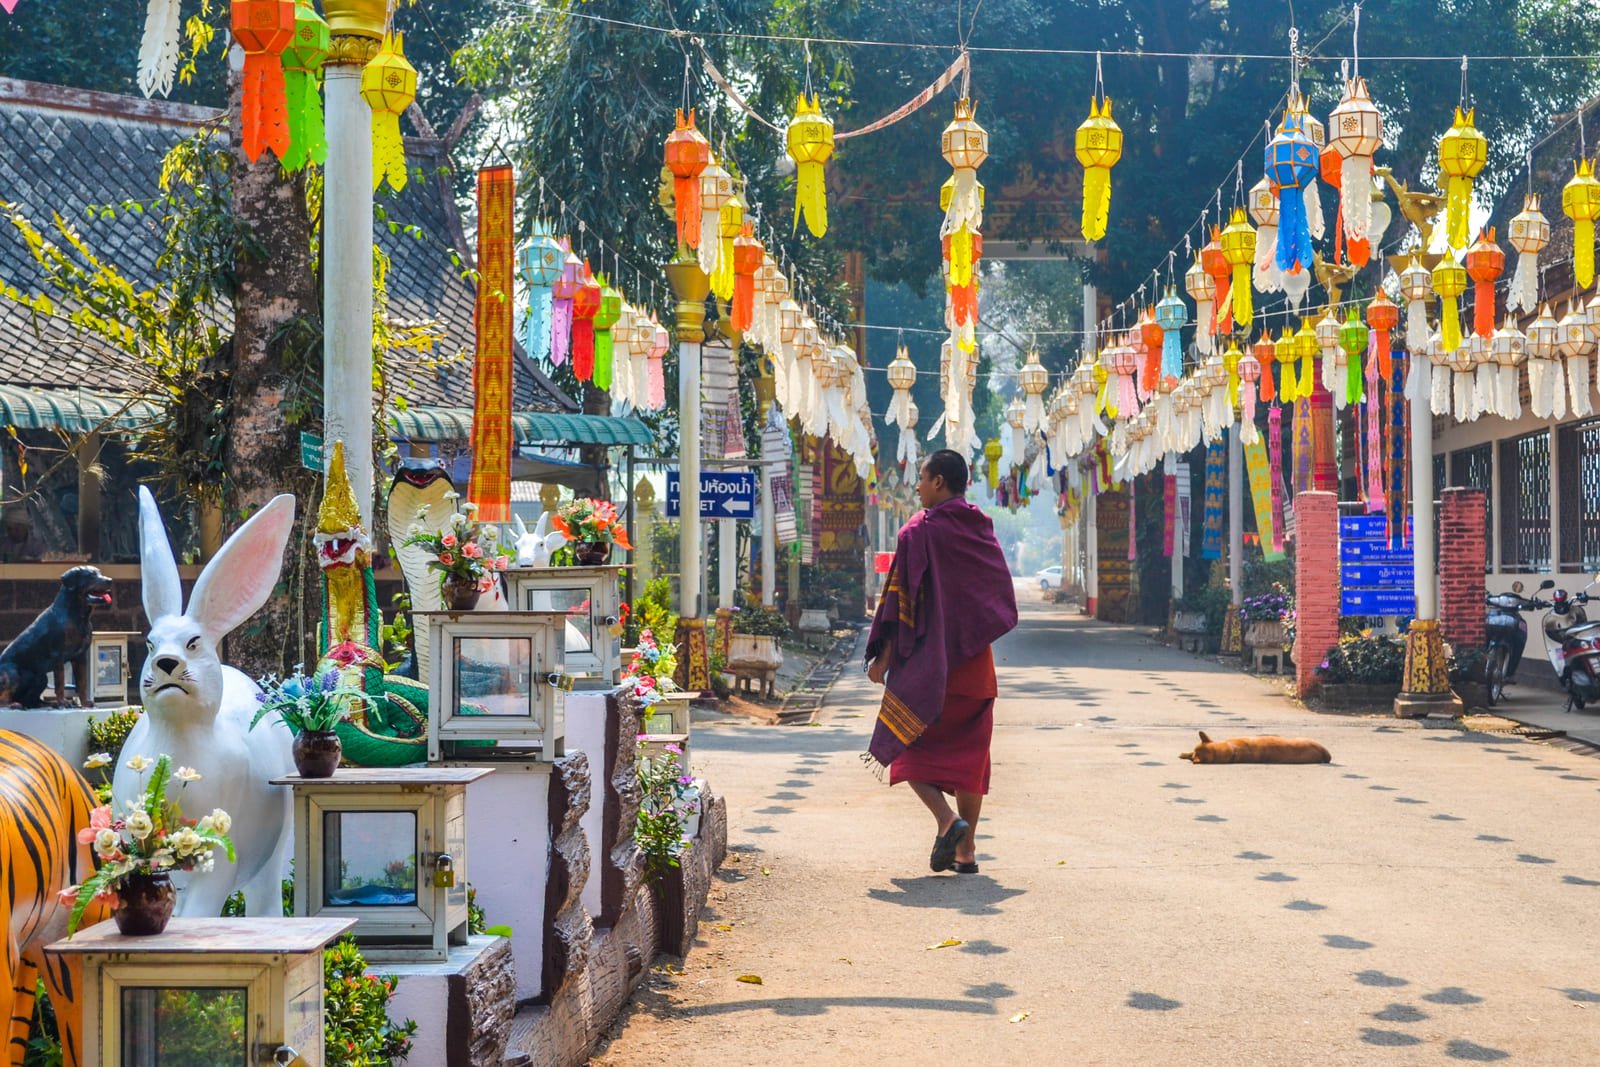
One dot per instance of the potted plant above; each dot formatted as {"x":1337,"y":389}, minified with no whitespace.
{"x":138,"y":851}
{"x":311,"y":707}
{"x":1263,"y":616}
{"x":665,"y":828}
{"x":649,"y":678}
{"x":591,"y":528}
{"x":1469,"y":676}
{"x":466,"y":554}
{"x":1363,"y":671}
{"x":753,"y":648}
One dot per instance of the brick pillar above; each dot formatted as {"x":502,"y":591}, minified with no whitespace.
{"x":1316,"y":584}
{"x":1461,"y":556}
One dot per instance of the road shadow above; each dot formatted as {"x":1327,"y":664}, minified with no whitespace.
{"x":1151,"y":1002}
{"x":1461,"y":1049}
{"x":975,"y":894}
{"x":809,"y":1006}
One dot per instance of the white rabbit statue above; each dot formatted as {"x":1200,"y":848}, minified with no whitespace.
{"x":198,"y":711}
{"x":535,"y":549}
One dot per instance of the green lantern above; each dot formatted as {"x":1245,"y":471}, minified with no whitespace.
{"x":302,"y":63}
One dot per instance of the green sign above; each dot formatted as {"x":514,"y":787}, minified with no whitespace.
{"x":310,"y":451}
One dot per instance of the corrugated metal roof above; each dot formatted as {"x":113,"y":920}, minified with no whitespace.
{"x":529,"y":427}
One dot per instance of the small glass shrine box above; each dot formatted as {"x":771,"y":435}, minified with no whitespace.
{"x":591,"y":600}
{"x":497,"y":685}
{"x":386,"y":847}
{"x":222,"y":992}
{"x":108,"y":667}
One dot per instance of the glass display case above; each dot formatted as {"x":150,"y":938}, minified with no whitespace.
{"x":590,"y":598}
{"x":496,"y":685}
{"x":387,"y":848}
{"x":217,"y":992}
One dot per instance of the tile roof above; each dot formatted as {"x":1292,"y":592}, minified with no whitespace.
{"x":80,"y":148}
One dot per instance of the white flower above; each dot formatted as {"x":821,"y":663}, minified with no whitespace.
{"x":457,"y":519}
{"x":139,"y":825}
{"x":139,"y":763}
{"x":105,"y":843}
{"x":163,"y":859}
{"x":99,"y":759}
{"x":470,"y":508}
{"x":187,"y":842}
{"x":491,"y":534}
{"x":220,"y":820}
{"x":186,"y":774}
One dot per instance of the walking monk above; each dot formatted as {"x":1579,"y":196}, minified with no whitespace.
{"x":948,"y":598}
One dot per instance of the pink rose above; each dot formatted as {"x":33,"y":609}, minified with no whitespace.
{"x":67,"y":897}
{"x":471,"y":550}
{"x":447,"y":558}
{"x":448,"y":540}
{"x":500,"y":563}
{"x":485,"y":584}
{"x":100,"y":818}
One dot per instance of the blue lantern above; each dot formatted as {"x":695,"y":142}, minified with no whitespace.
{"x":538,"y":266}
{"x":1172,"y":315}
{"x":1291,"y":164}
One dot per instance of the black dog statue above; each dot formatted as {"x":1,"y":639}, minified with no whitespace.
{"x":60,"y":635}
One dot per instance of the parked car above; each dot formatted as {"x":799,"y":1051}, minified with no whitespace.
{"x":1049,"y":578}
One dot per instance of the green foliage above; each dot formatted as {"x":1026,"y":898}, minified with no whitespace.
{"x":477,"y":921}
{"x":109,"y":734}
{"x":1209,"y":600}
{"x":1365,"y":660}
{"x":395,"y":635}
{"x":1262,"y":577}
{"x":357,"y":1030}
{"x":759,"y":621}
{"x":666,"y":798}
{"x":1467,"y":664}
{"x":652,"y":610}
{"x":44,"y":1043}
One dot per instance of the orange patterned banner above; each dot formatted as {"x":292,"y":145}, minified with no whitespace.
{"x":490,"y":485}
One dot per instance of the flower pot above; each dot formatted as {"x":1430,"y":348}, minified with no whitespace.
{"x":316,"y":753}
{"x":814,"y":620}
{"x":1267,"y":634}
{"x":460,"y":594}
{"x":591,"y":553}
{"x":754,"y":652}
{"x":144,"y":904}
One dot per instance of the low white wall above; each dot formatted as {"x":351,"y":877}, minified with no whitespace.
{"x":66,"y":729}
{"x":586,"y":733}
{"x":508,"y":861}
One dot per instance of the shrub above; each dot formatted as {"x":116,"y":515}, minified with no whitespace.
{"x":1365,"y":660}
{"x":110,"y":733}
{"x":1211,"y":602}
{"x":758,"y":621}
{"x":1269,"y":606}
{"x":667,"y":797}
{"x":1468,"y":664}
{"x":652,"y":609}
{"x":357,"y":1030}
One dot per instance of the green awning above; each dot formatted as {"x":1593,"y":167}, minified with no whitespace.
{"x":73,"y":410}
{"x":530,"y":427}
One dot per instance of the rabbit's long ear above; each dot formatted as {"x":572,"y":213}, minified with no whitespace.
{"x":543,"y":526}
{"x":241,"y":576}
{"x":158,"y":571}
{"x":521,"y":527}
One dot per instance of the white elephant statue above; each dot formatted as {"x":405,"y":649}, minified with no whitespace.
{"x":198,"y":711}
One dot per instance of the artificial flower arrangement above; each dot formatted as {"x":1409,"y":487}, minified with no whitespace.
{"x":651,"y":669}
{"x":465,"y":551}
{"x":592,"y":522}
{"x":1270,"y":606}
{"x":150,"y":838}
{"x":314,"y":703}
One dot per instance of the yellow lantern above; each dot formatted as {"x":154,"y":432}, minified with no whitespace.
{"x":1581,"y":201}
{"x":388,"y":85}
{"x":1239,"y":246}
{"x":1449,"y":282}
{"x":1307,"y":345}
{"x":1098,"y":144}
{"x":1462,"y":153}
{"x":810,"y":142}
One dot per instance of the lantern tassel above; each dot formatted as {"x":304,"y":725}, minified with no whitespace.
{"x":709,"y":244}
{"x":583,"y":347}
{"x":1458,"y":208}
{"x":388,"y":151}
{"x":1247,"y":401}
{"x":1583,"y":252}
{"x":811,"y":198}
{"x":1172,"y":354}
{"x":158,"y":49}
{"x":1205,"y":324}
{"x":1354,"y":379}
{"x":1524,"y":291}
{"x":560,"y":332}
{"x":1449,"y":324}
{"x":1096,"y":202}
{"x":1240,"y":292}
{"x":1308,"y":382}
{"x":744,"y":300}
{"x":1439,"y":402}
{"x":1355,"y":197}
{"x":308,"y":138}
{"x":1416,"y":325}
{"x":1288,"y":390}
{"x":604,"y":354}
{"x":1316,"y":224}
{"x":1266,"y":276}
{"x":1294,"y":235}
{"x":264,"y":118}
{"x":1578,"y":386}
{"x":536,"y":322}
{"x":1510,"y":392}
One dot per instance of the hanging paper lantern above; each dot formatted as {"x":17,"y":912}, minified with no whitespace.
{"x":1356,"y":134}
{"x":1485,"y":262}
{"x":730,"y":224}
{"x":810,"y":142}
{"x":1288,"y":351}
{"x":622,"y":368}
{"x":748,"y":254}
{"x":1149,"y":351}
{"x":1327,"y":335}
{"x":1509,"y":346}
{"x":1121,"y":362}
{"x":538,"y":268}
{"x":1449,"y":282}
{"x":1291,"y":165}
{"x":1307,"y":344}
{"x":1416,"y":285}
{"x":660,"y":341}
{"x":302,"y":62}
{"x":1172,"y":315}
{"x":1239,"y":246}
{"x":1546,"y":380}
{"x":1264,"y":213}
{"x":1295,"y":287}
{"x":1217,"y":264}
{"x":688,"y":153}
{"x":1575,"y":345}
{"x":388,"y":85}
{"x":263,"y":29}
{"x":585,"y":306}
{"x":605,"y":317}
{"x":1462,"y":153}
{"x":1098,"y":144}
{"x":964,"y":145}
{"x":1353,"y":337}
{"x":1202,"y":289}
{"x":1034,"y":380}
{"x":1529,"y":233}
{"x":1580,"y":199}
{"x":1382,"y":316}
{"x":716,"y":189}
{"x":158,"y":49}
{"x":1250,"y":373}
{"x":1014,"y":415}
{"x":902,"y":375}
{"x":564,"y":290}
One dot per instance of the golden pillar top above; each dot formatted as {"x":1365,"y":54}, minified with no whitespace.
{"x":357,"y":29}
{"x":691,"y":286}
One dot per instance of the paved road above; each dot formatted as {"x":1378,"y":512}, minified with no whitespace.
{"x":1433,"y":897}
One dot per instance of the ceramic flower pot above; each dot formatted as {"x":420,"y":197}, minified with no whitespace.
{"x":460,"y":594}
{"x":316,"y":753}
{"x":591,"y":553}
{"x":144,"y":904}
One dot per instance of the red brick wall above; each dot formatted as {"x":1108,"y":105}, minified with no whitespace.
{"x":1461,"y":556}
{"x":1316,"y":581}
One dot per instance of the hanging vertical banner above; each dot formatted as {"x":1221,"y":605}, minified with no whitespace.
{"x":1185,"y":509}
{"x":1214,"y":515}
{"x":1304,"y":447}
{"x":490,"y":485}
{"x":1169,"y":508}
{"x":1398,"y":496}
{"x":1376,"y":504}
{"x":1133,"y":539}
{"x":1275,"y":463}
{"x":1260,"y":474}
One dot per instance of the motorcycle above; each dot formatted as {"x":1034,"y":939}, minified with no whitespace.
{"x":1573,"y":643}
{"x":1507,"y":635}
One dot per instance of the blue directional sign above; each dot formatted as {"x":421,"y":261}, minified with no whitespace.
{"x":723,"y":495}
{"x":1374,"y":579}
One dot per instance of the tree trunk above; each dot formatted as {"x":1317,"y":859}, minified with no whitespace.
{"x":275,"y":310}
{"x":597,"y":402}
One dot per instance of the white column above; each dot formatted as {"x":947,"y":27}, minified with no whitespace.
{"x":1091,"y":563}
{"x":769,"y":539}
{"x":1422,"y":553}
{"x":1236,"y":514}
{"x":1170,"y":466}
{"x":347,"y":280}
{"x":689,"y":569}
{"x":727,"y":561}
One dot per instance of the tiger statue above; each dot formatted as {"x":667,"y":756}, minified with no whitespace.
{"x":44,"y":802}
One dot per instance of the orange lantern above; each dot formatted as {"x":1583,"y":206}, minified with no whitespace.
{"x":688,"y":154}
{"x":748,"y":256}
{"x":585,"y":306}
{"x":1215,"y":263}
{"x":263,"y":29}
{"x":1383,"y":315}
{"x":1484,"y":262}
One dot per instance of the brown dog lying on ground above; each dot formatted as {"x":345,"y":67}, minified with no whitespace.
{"x":1257,"y":750}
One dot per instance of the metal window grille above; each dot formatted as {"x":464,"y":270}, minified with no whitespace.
{"x":1525,"y":502}
{"x":1473,"y":468}
{"x":1578,"y":473}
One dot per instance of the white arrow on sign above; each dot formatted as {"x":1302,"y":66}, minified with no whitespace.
{"x":732,"y":504}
